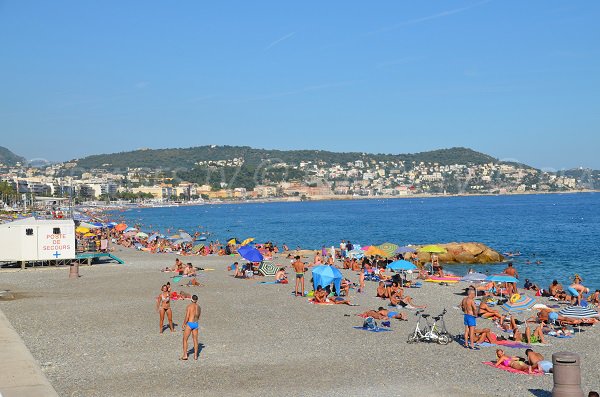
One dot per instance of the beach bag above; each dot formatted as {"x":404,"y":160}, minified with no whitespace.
{"x":370,"y":323}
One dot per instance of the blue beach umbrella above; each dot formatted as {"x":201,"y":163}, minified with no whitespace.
{"x":325,"y":275}
{"x":404,"y":250}
{"x":401,"y":265}
{"x":250,"y":253}
{"x":502,"y":278}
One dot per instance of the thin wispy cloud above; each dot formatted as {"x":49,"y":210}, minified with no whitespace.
{"x":280,"y":40}
{"x":428,"y":17}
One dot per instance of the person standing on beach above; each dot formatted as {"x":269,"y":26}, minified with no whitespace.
{"x":190,"y":326}
{"x":511,"y":271}
{"x":299,"y":269}
{"x":470,"y":317}
{"x":163,"y":305}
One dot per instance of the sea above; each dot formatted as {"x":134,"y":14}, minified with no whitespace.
{"x":560,"y":230}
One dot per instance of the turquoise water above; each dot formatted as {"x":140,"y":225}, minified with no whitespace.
{"x":562,"y":230}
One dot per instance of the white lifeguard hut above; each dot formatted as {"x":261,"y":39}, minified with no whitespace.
{"x":31,"y":239}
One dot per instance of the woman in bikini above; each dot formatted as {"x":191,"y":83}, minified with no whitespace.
{"x":511,"y":362}
{"x":163,"y":305}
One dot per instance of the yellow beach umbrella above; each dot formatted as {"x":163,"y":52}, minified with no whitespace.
{"x":248,"y":241}
{"x":89,"y":235}
{"x":81,"y":229}
{"x":433,"y":249}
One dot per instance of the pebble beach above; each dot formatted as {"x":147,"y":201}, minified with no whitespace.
{"x":99,"y":336}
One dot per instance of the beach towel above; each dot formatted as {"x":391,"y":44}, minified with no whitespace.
{"x":507,"y":344}
{"x":269,"y":282}
{"x":512,"y":344}
{"x":372,"y":329}
{"x":512,"y":370}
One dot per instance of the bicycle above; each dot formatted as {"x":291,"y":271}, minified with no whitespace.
{"x":430,"y":332}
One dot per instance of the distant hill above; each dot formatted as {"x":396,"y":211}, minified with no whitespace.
{"x":187,"y":157}
{"x":9,"y":158}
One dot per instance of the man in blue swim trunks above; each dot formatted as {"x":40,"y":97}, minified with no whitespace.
{"x":190,"y":326}
{"x":470,"y":317}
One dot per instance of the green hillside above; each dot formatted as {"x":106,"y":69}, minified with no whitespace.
{"x":187,"y":157}
{"x":9,"y":158}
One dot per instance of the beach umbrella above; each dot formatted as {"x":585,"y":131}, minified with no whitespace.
{"x":98,"y":224}
{"x":233,"y":241}
{"x":196,"y":248}
{"x":433,"y":249}
{"x":578,"y":312}
{"x":141,"y":235}
{"x":81,"y":229}
{"x":325,"y":275}
{"x":174,"y":237}
{"x":131,"y":229}
{"x":248,"y":241}
{"x":474,"y":277}
{"x":120,"y":227}
{"x":356,"y":254}
{"x":388,"y":248}
{"x":185,"y":235}
{"x":401,"y":265}
{"x":521,"y":304}
{"x":364,"y":247}
{"x":267,"y":268}
{"x":373,"y":250}
{"x":250,"y":254}
{"x":154,"y":236}
{"x":502,"y":278}
{"x":110,"y":225}
{"x":89,"y":234}
{"x":404,"y":250}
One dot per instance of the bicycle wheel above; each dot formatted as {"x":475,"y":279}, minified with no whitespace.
{"x":412,"y":338}
{"x":443,"y":339}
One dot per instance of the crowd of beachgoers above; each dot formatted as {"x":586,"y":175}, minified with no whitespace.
{"x":392,"y":270}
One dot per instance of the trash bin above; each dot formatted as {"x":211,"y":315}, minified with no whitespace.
{"x":567,"y":375}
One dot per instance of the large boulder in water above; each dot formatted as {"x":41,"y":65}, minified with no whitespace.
{"x":471,"y":252}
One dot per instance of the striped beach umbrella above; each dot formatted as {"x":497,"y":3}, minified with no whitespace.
{"x":197,"y":248}
{"x":267,"y":268}
{"x":523,"y":303}
{"x":388,"y":248}
{"x":578,"y":312}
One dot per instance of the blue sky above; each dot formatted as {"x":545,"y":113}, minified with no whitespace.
{"x":515,"y":79}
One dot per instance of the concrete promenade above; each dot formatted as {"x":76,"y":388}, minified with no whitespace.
{"x":20,"y":374}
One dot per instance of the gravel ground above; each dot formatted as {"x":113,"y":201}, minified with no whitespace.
{"x":98,"y":336}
